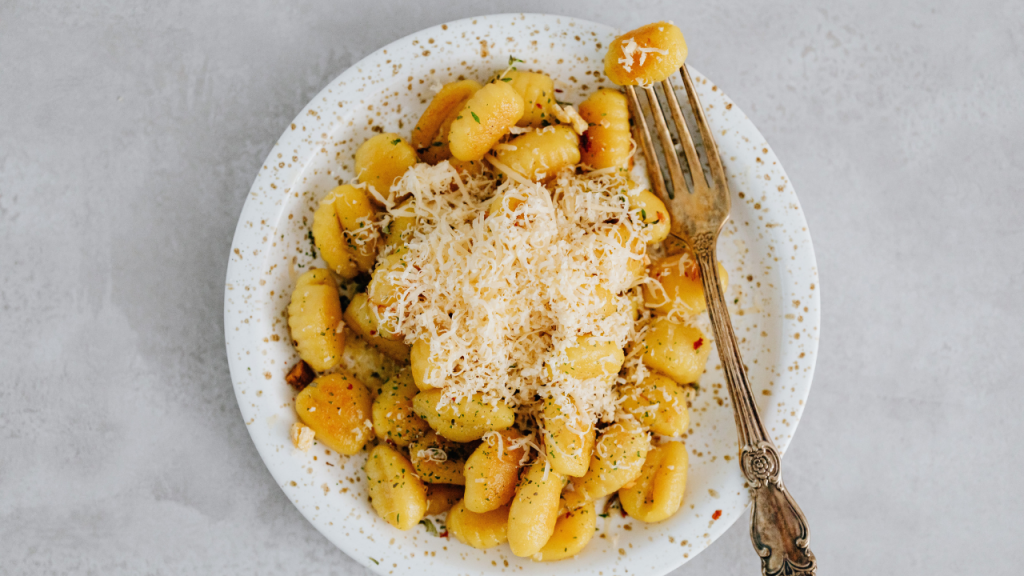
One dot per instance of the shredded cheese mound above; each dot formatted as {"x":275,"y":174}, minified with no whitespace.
{"x":501,"y":279}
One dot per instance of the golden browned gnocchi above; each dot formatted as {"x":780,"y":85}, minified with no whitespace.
{"x":382,"y":290}
{"x":568,"y":436}
{"x":368,"y":364}
{"x":483,"y":120}
{"x":428,"y":137}
{"x":607,"y":143}
{"x":343,"y":231}
{"x":676,"y":350}
{"x":438,"y":460}
{"x":646,"y":55}
{"x":337,"y":407}
{"x":314,"y":317}
{"x":618,"y":458}
{"x":658,"y":403}
{"x":592,"y":357}
{"x":479,"y":530}
{"x":423,"y":369}
{"x":493,"y":469}
{"x":441,"y":497}
{"x":573,"y":531}
{"x":398,"y":496}
{"x":534,"y":510}
{"x":678,"y":288}
{"x":465,"y":420}
{"x":383,"y":159}
{"x":654,"y":214}
{"x":538,"y":92}
{"x":658,"y":492}
{"x":541,"y":154}
{"x":361,"y":317}
{"x":398,"y":231}
{"x":393,"y":417}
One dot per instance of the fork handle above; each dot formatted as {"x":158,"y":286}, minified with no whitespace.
{"x":778,"y":528}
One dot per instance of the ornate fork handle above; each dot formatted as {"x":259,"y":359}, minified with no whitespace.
{"x":778,"y":527}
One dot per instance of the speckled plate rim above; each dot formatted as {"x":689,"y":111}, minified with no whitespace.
{"x":774,"y":210}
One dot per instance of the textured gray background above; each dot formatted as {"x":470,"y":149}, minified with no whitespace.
{"x":130,"y":134}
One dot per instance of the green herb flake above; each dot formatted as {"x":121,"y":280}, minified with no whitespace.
{"x":374,"y":560}
{"x":475,"y":117}
{"x":512,"y":60}
{"x":431,"y":529}
{"x":506,"y":79}
{"x":396,"y":141}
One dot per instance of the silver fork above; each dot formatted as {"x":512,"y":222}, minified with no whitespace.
{"x":778,"y":527}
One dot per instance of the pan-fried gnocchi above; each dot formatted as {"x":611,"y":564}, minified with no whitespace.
{"x":493,"y":469}
{"x":653,"y":213}
{"x":341,"y":226}
{"x":337,"y":407}
{"x":314,"y":317}
{"x":441,"y":498}
{"x":430,"y":136}
{"x":646,"y":55}
{"x":568,"y":436}
{"x":677,"y":289}
{"x":658,"y":491}
{"x":478,"y":529}
{"x":607,"y":142}
{"x":676,"y":350}
{"x":592,"y":357}
{"x":393,"y":417}
{"x":573,"y":531}
{"x":541,"y":154}
{"x":383,"y":159}
{"x":534,"y":510}
{"x":519,"y":329}
{"x":483,"y":120}
{"x":438,"y":460}
{"x":658,"y":403}
{"x":618,"y":458}
{"x":398,"y":496}
{"x":538,"y":93}
{"x":361,"y":316}
{"x":465,"y":420}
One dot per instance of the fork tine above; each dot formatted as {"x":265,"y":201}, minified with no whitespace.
{"x":692,"y":158}
{"x":653,"y":166}
{"x":675,"y":171}
{"x":710,"y":147}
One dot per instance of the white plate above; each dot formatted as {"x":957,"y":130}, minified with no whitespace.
{"x":765,"y":248}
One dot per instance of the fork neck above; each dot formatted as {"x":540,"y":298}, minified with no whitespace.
{"x":748,"y":422}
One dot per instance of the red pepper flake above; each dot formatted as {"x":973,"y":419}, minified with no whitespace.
{"x":539,"y":106}
{"x":350,"y":386}
{"x":716,"y":515}
{"x":585,"y":142}
{"x":697,"y":345}
{"x":443,"y":534}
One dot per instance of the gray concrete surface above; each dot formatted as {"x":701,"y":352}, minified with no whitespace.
{"x":130,"y":134}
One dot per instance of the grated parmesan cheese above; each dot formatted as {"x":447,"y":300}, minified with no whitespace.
{"x":501,"y":297}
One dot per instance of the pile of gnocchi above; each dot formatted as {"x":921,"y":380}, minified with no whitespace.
{"x":531,"y":480}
